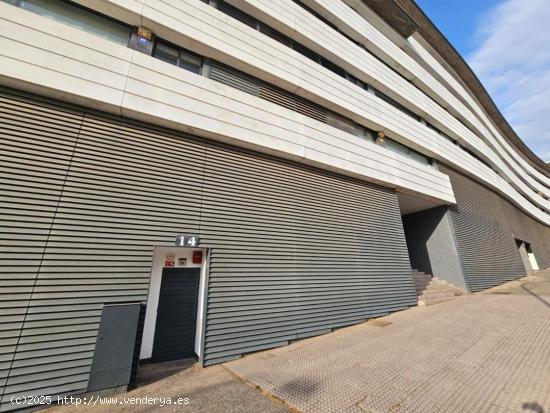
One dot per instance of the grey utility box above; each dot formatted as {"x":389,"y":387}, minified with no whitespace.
{"x":115,"y":349}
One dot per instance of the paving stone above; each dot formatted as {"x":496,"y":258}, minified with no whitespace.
{"x":482,"y":352}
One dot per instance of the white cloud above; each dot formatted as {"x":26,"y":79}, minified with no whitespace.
{"x":513,"y":63}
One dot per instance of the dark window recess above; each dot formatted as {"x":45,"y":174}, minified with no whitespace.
{"x":177,"y":56}
{"x":333,"y":67}
{"x":475,"y":156}
{"x":397,"y":105}
{"x":190,"y":61}
{"x":323,"y":19}
{"x":304,"y":51}
{"x":236,"y":13}
{"x":166,"y":53}
{"x":275,"y":35}
{"x":357,"y":82}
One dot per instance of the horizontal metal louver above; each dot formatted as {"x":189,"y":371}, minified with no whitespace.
{"x":295,"y":251}
{"x":36,"y":145}
{"x":256,"y":87}
{"x":342,"y":123}
{"x":292,"y":102}
{"x":233,"y":78}
{"x":298,"y":253}
{"x":310,"y":109}
{"x":485,"y":241}
{"x":90,"y":197}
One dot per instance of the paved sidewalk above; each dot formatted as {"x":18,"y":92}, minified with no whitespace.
{"x":485,"y":352}
{"x":210,"y":390}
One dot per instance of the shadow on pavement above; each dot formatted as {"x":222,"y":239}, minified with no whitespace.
{"x":533,"y":407}
{"x":152,"y":372}
{"x":538,"y":297}
{"x":300,"y":386}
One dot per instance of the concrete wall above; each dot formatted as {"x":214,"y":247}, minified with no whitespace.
{"x":432,"y":245}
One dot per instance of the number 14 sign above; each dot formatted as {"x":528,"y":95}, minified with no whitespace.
{"x":187,"y":240}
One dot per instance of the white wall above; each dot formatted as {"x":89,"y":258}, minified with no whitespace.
{"x":95,"y":72}
{"x":159,"y":258}
{"x":79,"y":67}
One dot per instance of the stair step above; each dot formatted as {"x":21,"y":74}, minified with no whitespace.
{"x":431,"y":301}
{"x":434,"y":286}
{"x":429,"y":295}
{"x":433,"y":290}
{"x":450,"y":293}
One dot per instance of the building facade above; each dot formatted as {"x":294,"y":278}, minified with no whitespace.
{"x":213,"y":178}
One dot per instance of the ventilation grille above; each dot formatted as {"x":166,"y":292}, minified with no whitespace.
{"x":233,"y":78}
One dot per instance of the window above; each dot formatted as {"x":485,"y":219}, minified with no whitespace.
{"x":78,"y":17}
{"x":190,"y":61}
{"x":397,"y":147}
{"x":166,"y":53}
{"x":178,"y":57}
{"x":406,"y":151}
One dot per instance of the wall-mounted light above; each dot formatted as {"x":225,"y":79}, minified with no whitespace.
{"x":145,"y":33}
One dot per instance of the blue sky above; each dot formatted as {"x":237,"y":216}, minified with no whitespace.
{"x":507,"y":43}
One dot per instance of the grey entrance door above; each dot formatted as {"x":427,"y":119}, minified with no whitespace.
{"x":176,"y":314}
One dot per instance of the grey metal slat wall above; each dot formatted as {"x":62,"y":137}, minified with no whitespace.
{"x":296,"y":252}
{"x":527,"y":229}
{"x":36,"y":144}
{"x":485,"y":226}
{"x":129,"y":188}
